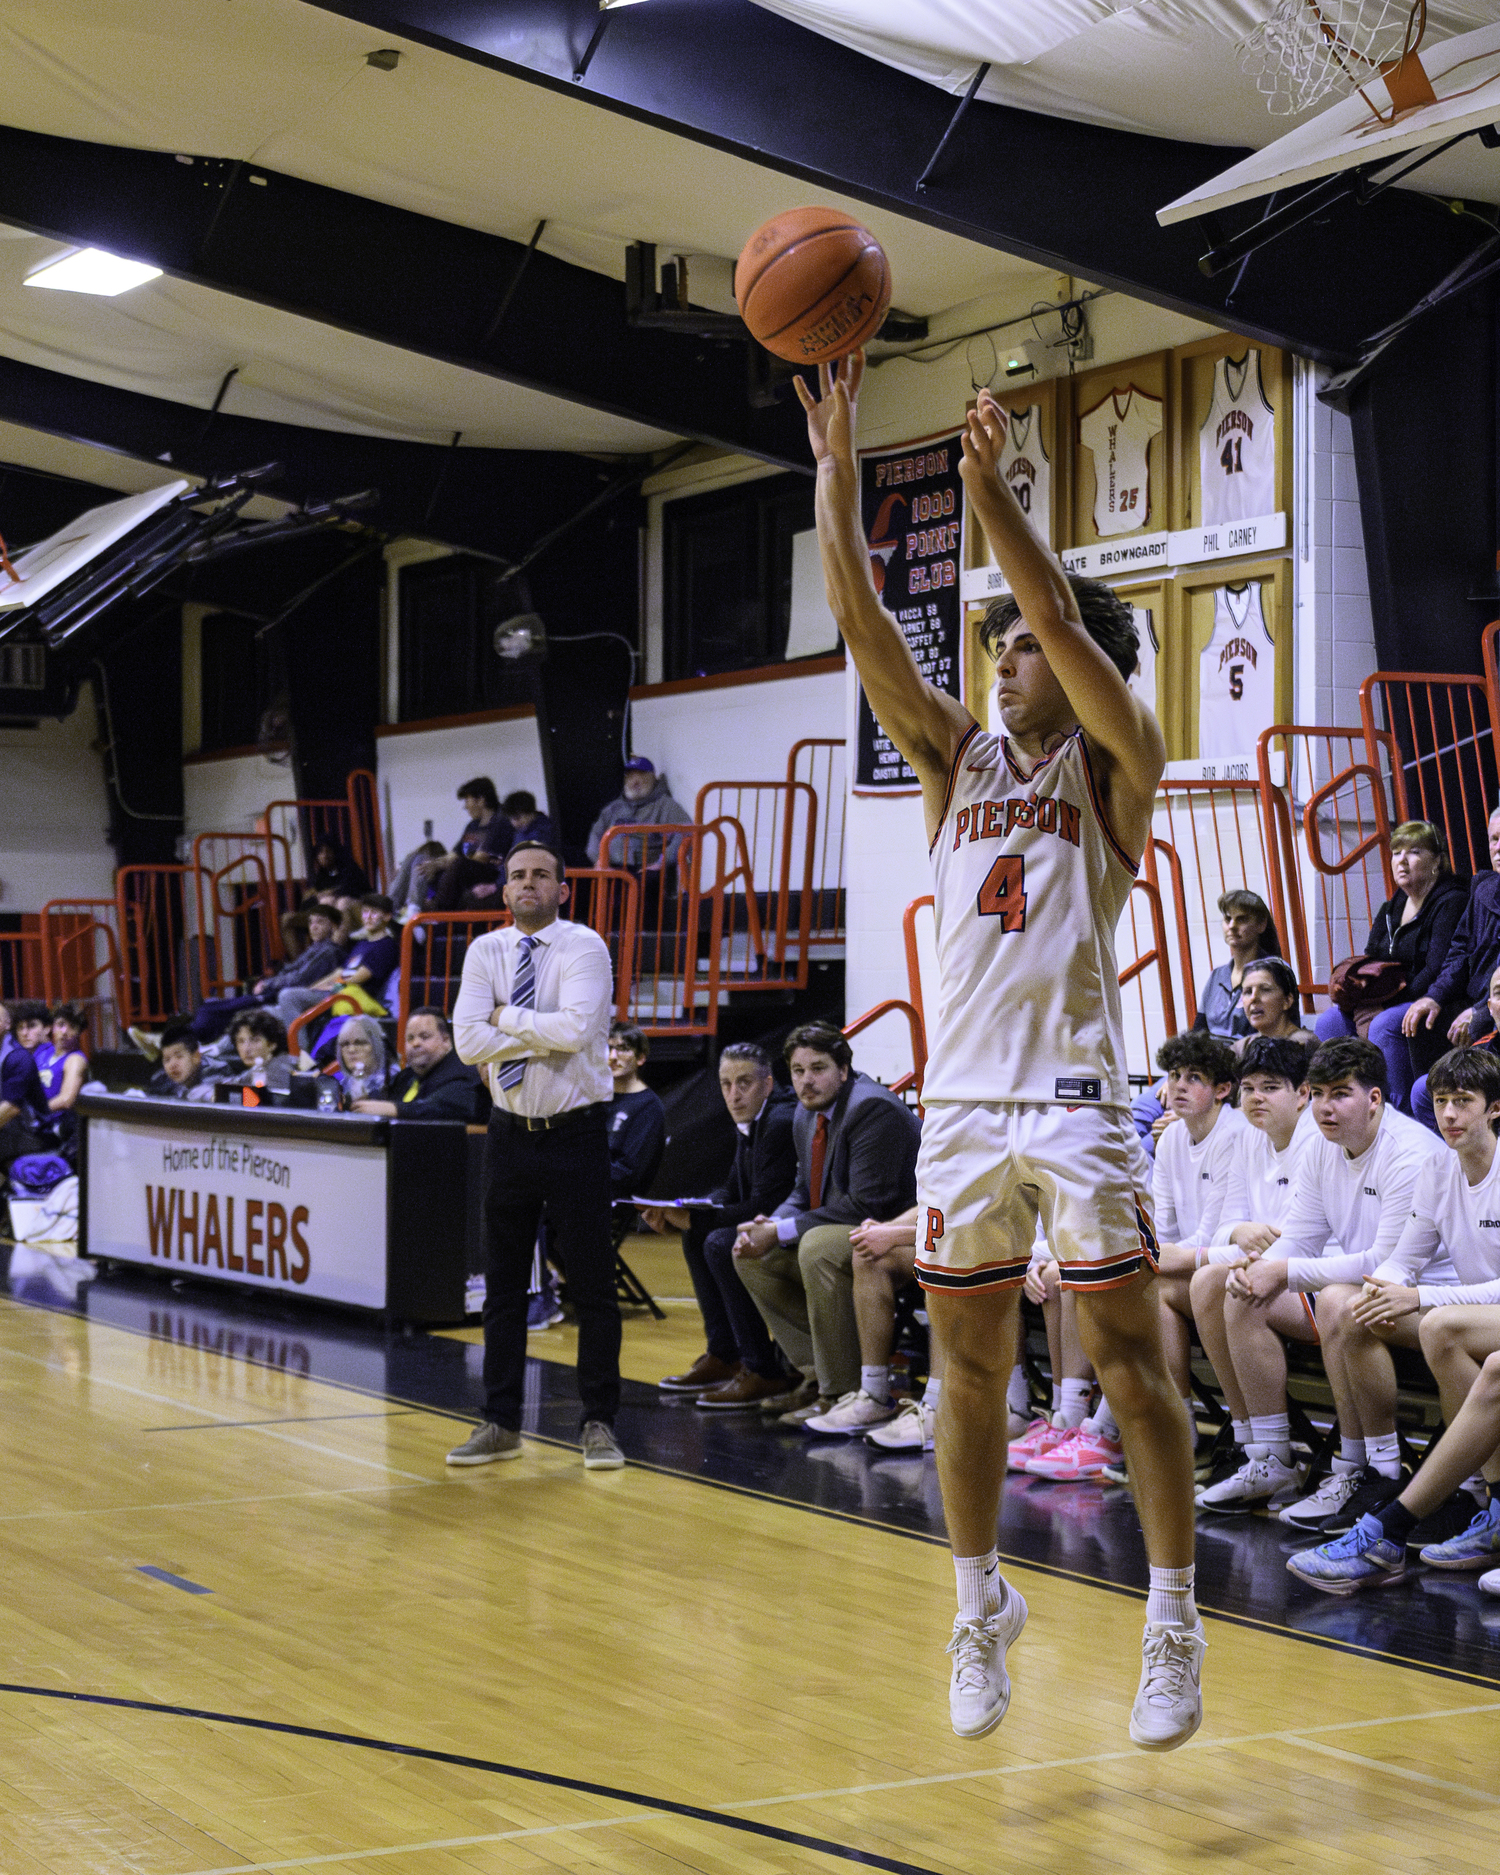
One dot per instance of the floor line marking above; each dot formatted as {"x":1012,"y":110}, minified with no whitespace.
{"x":161,"y":1399}
{"x":414,"y":1848}
{"x":295,"y":1419}
{"x":1402,"y":1771}
{"x":173,"y":1582}
{"x":1305,"y":1736}
{"x":211,"y":1503}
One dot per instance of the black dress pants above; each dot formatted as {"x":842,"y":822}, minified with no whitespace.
{"x":733,"y":1325}
{"x":565,"y":1170}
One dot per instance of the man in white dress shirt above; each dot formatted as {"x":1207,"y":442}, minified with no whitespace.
{"x":533,"y":1012}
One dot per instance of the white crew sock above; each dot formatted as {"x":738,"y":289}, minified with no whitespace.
{"x":1170,"y":1598}
{"x":1057,"y":1399}
{"x":1190,"y":1407}
{"x":1075,"y":1403}
{"x":876,"y":1381}
{"x":1275,"y":1431}
{"x":1383,"y":1454}
{"x":1351,"y":1455}
{"x":932,"y":1392}
{"x":981,"y":1592}
{"x":1102,"y":1422}
{"x":1017,"y":1393}
{"x":1478,"y":1488}
{"x":1240,"y":1428}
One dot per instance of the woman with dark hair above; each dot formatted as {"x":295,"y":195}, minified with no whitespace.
{"x":1413,"y":929}
{"x":1272,"y":1006}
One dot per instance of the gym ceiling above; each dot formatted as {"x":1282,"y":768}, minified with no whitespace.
{"x":394,"y":236}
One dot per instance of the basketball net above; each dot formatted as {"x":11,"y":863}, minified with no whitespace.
{"x":1309,"y":49}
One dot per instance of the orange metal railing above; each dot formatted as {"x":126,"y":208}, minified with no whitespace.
{"x":897,"y":1005}
{"x":1148,"y":1004}
{"x":771,"y":826}
{"x":676,"y":969}
{"x":21,"y":963}
{"x":237,"y":906}
{"x":151,"y":917}
{"x":81,"y":961}
{"x":366,"y":836}
{"x":819,"y":761}
{"x":1436,"y":733}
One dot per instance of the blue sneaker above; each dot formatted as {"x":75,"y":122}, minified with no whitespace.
{"x":1363,"y":1559}
{"x":1478,"y":1547}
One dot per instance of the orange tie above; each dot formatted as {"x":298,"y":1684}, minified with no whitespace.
{"x":815,"y":1171}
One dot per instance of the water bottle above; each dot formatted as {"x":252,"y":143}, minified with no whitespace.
{"x":328,"y":1095}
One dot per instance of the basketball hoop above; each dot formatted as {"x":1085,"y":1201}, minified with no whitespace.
{"x":1309,"y":49}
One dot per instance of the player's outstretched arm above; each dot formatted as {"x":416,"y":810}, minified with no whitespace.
{"x":1115,"y":721}
{"x":925,"y":724}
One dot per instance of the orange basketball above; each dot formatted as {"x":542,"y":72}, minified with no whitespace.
{"x":812,"y":284}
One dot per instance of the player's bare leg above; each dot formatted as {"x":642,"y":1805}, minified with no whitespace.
{"x":1207,"y":1301}
{"x":1121,"y":1332}
{"x":978,"y":1338}
{"x":1173,"y":1301}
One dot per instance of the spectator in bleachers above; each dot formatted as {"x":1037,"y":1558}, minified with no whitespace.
{"x":434,"y":1084}
{"x":183,"y":1074}
{"x":323,"y":955}
{"x":1271,"y":1004}
{"x":1453,"y":1007}
{"x":361,"y":1069}
{"x":856,"y":1159}
{"x":1411,"y":934}
{"x":644,"y":800}
{"x":1354,"y":1186}
{"x":1249,"y":933}
{"x":63,"y":1067}
{"x":336,"y":879}
{"x":259,"y":1040}
{"x":374,"y":955}
{"x":740,"y":1366}
{"x":1274,"y":1097}
{"x":637,"y":1120}
{"x":1438,"y":1291}
{"x":520,"y":809}
{"x":408,"y":888}
{"x":478,"y":855}
{"x":23,"y":1100}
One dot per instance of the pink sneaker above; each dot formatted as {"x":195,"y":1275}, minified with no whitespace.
{"x":1083,"y":1454}
{"x":1040,"y":1436}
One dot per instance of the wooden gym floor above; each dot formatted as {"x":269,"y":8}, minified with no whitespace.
{"x":254,"y":1623}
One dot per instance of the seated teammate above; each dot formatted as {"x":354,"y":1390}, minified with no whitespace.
{"x":1065,"y":1443}
{"x":1448,"y":1258}
{"x":1354,"y":1185}
{"x":1191,"y":1176}
{"x":1262,"y":1174}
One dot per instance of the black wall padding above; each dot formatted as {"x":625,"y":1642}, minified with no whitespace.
{"x":139,"y":693}
{"x":331,"y":656}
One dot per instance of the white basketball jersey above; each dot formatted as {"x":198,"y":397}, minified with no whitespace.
{"x":1024,"y":465}
{"x":1143,"y":684}
{"x":1237,"y":444}
{"x":1119,"y":435}
{"x":1029,"y":886}
{"x":1236,"y":676}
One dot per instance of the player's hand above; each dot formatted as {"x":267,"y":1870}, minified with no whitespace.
{"x":1383,"y":1303}
{"x":1158,"y":1127}
{"x":1421,"y":1015}
{"x":1254,"y":1239}
{"x":1459,"y":1031}
{"x":983,"y":439}
{"x":1040,"y":1278}
{"x":831,"y":415}
{"x":1259,"y":1282}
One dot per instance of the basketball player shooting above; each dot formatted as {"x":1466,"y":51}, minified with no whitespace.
{"x":1035,"y":836}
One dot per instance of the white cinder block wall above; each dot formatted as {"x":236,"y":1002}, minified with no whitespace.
{"x":56,"y":813}
{"x":418,"y":772}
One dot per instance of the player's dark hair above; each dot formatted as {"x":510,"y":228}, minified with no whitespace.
{"x":541,"y":846}
{"x":377,"y":901}
{"x":76,"y":1015}
{"x":1349,"y":1058}
{"x":179,"y":1035}
{"x":633,"y":1038}
{"x":1467,"y":1070}
{"x":824,"y":1037}
{"x":484,"y":788}
{"x":1196,"y":1049}
{"x":1276,"y":1055}
{"x":746,"y":1051}
{"x":270,"y":1028}
{"x":445,"y":1027}
{"x":26,"y":1009}
{"x":1106,"y":618}
{"x":520,"y":801}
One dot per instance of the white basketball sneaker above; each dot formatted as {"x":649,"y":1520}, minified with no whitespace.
{"x":1169,"y":1702}
{"x":910,"y":1431}
{"x":979,"y":1691}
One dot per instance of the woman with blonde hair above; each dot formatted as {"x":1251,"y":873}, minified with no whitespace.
{"x":1410,"y":936}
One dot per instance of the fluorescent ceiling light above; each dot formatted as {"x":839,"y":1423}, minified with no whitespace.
{"x":91,"y":270}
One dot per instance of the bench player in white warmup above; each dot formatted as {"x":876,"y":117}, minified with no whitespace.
{"x":1035,"y":837}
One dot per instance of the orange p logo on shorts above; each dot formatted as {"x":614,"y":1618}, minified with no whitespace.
{"x":934,"y":1230}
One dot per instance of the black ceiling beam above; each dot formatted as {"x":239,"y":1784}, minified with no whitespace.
{"x":1071,"y":196}
{"x":494,"y":501}
{"x":407,"y":280}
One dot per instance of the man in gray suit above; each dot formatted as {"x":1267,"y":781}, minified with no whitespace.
{"x":856,"y":1159}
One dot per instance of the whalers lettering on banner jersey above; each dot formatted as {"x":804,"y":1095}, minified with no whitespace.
{"x":1025,"y":467}
{"x":1118,"y":434}
{"x":1237,"y":444}
{"x":1029,"y":885}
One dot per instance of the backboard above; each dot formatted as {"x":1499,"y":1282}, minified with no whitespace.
{"x":43,"y":567}
{"x":1465,"y":75}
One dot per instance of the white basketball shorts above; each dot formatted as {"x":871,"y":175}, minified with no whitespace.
{"x":987,"y":1171}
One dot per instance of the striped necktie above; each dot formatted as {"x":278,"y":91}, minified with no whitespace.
{"x":522,"y":996}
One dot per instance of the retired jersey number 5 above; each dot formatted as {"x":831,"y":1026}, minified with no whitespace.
{"x":1003,"y":894}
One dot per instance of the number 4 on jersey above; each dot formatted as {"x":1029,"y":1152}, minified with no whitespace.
{"x":1003,"y":894}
